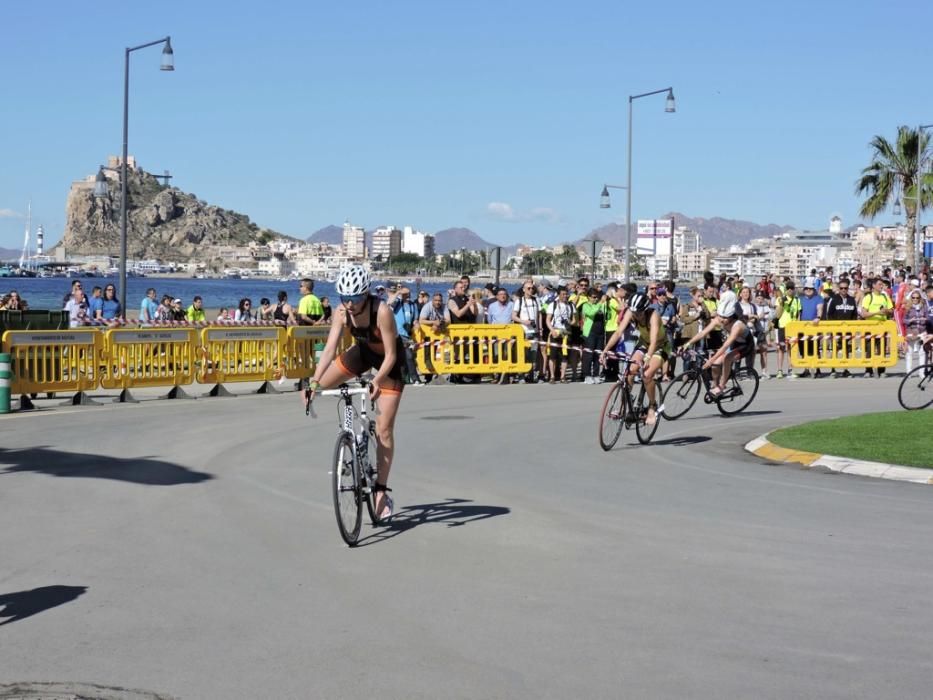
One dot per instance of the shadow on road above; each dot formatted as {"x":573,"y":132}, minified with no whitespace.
{"x":452,"y":512}
{"x":23,"y":604}
{"x":138,"y":470}
{"x":683,"y":441}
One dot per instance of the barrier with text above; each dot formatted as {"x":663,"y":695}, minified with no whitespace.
{"x":842,"y":344}
{"x":471,"y":349}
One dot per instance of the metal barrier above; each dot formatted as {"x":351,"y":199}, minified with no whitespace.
{"x":150,"y":357}
{"x":300,"y":357}
{"x":52,"y":361}
{"x":241,"y":354}
{"x":842,"y":344}
{"x":472,"y":349}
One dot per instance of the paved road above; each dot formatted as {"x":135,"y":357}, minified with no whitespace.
{"x":189,"y":548}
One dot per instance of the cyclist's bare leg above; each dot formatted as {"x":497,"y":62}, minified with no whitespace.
{"x":654,"y":366}
{"x":726,"y":370}
{"x":387,"y":402}
{"x":335,"y":375}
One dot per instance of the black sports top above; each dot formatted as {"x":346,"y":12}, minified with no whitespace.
{"x":371,"y":335}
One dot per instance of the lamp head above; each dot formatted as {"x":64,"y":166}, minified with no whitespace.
{"x":101,"y":189}
{"x":168,"y":56}
{"x":604,"y":199}
{"x":669,"y":103}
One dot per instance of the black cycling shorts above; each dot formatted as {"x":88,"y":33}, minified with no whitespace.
{"x":360,"y":358}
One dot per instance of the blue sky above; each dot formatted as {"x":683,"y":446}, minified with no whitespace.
{"x":504,"y":117}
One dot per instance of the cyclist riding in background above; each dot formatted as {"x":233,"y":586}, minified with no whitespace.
{"x":739,"y":343}
{"x":653,"y":344}
{"x":377,"y":346}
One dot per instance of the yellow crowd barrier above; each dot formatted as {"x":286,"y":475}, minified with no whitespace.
{"x":301,"y":350}
{"x":471,"y":349}
{"x":52,"y":361}
{"x":148,"y":357}
{"x":240,"y":354}
{"x":842,"y":344}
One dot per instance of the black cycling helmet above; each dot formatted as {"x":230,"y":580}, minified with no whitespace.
{"x":639,"y":303}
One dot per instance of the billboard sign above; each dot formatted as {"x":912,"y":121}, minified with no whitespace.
{"x":655,"y":236}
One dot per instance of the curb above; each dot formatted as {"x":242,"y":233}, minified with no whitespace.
{"x":764,"y":448}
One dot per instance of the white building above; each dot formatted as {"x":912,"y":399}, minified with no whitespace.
{"x":387,"y":243}
{"x":417,"y":242}
{"x":354,"y":241}
{"x":276,"y":267}
{"x":686,"y":241}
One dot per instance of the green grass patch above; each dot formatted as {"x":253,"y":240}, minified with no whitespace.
{"x":899,"y":437}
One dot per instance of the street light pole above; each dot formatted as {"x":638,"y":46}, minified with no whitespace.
{"x":668,"y":107}
{"x":168,"y":64}
{"x":918,"y":243}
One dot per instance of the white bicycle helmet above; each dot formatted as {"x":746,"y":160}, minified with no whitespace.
{"x":728,"y":309}
{"x":638,"y":303}
{"x":352,"y":280}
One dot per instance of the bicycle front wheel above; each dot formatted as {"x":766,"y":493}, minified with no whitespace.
{"x":743,"y":386}
{"x":348,"y":494}
{"x":680,"y":395}
{"x":644,"y":431}
{"x":916,"y":389}
{"x":613,"y":417}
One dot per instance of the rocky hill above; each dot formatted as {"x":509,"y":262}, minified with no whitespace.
{"x":163,"y":222}
{"x":716,"y":232}
{"x":332,"y":235}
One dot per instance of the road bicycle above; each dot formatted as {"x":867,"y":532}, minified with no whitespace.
{"x":916,"y":389}
{"x":622,"y":409}
{"x":684,"y":389}
{"x":354,"y":470}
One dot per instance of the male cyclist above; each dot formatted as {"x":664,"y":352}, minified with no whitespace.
{"x":653,"y":344}
{"x":739,"y":343}
{"x":377,"y":346}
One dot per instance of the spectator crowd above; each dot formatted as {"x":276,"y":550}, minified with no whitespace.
{"x":570,"y":321}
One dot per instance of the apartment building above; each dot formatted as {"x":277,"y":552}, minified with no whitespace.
{"x":387,"y":243}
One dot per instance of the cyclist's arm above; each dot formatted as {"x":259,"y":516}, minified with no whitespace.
{"x":707,"y":329}
{"x":386,"y":323}
{"x":617,"y":334}
{"x":330,"y":348}
{"x":655,"y":332}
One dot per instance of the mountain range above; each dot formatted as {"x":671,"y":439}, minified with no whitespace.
{"x":716,"y":232}
{"x":9,"y":254}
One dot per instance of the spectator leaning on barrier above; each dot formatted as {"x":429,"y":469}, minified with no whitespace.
{"x":195,"y":312}
{"x":148,"y":307}
{"x":110,"y":307}
{"x":405,"y":313}
{"x":841,"y":306}
{"x":915,"y":320}
{"x":310,"y":311}
{"x":283,"y":310}
{"x":593,"y":311}
{"x":266,"y":311}
{"x":95,"y":304}
{"x":560,"y":319}
{"x":76,"y":284}
{"x":786,"y":310}
{"x":876,"y":306}
{"x":178,"y":311}
{"x":244,"y":311}
{"x":164,"y":310}
{"x":500,"y":312}
{"x":526,"y":311}
{"x":77,"y":309}
{"x":811,"y":309}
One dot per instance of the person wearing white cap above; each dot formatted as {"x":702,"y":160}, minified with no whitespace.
{"x":811,"y":309}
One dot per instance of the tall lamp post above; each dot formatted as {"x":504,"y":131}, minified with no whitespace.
{"x":168,"y":64}
{"x":669,"y":107}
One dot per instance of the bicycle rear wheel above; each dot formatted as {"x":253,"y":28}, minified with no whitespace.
{"x":613,"y":417}
{"x":916,"y":389}
{"x":644,"y":431}
{"x":348,"y":494}
{"x":680,"y":395}
{"x":741,"y":391}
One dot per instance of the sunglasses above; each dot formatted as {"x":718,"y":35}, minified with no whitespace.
{"x":353,"y":298}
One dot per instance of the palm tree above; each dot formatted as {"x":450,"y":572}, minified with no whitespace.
{"x":892,"y":171}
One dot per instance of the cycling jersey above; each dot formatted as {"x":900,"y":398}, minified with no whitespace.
{"x":663,"y":347}
{"x":368,"y":352}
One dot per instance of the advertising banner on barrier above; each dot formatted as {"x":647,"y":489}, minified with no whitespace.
{"x":148,"y":357}
{"x":240,"y":354}
{"x":52,"y":361}
{"x":842,"y":344}
{"x":472,"y":349}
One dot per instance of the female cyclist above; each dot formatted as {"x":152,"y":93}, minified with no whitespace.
{"x":377,"y":347}
{"x":739,"y":343}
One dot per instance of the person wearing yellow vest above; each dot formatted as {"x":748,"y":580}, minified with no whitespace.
{"x":195,"y":313}
{"x":876,"y":305}
{"x":786,"y":309}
